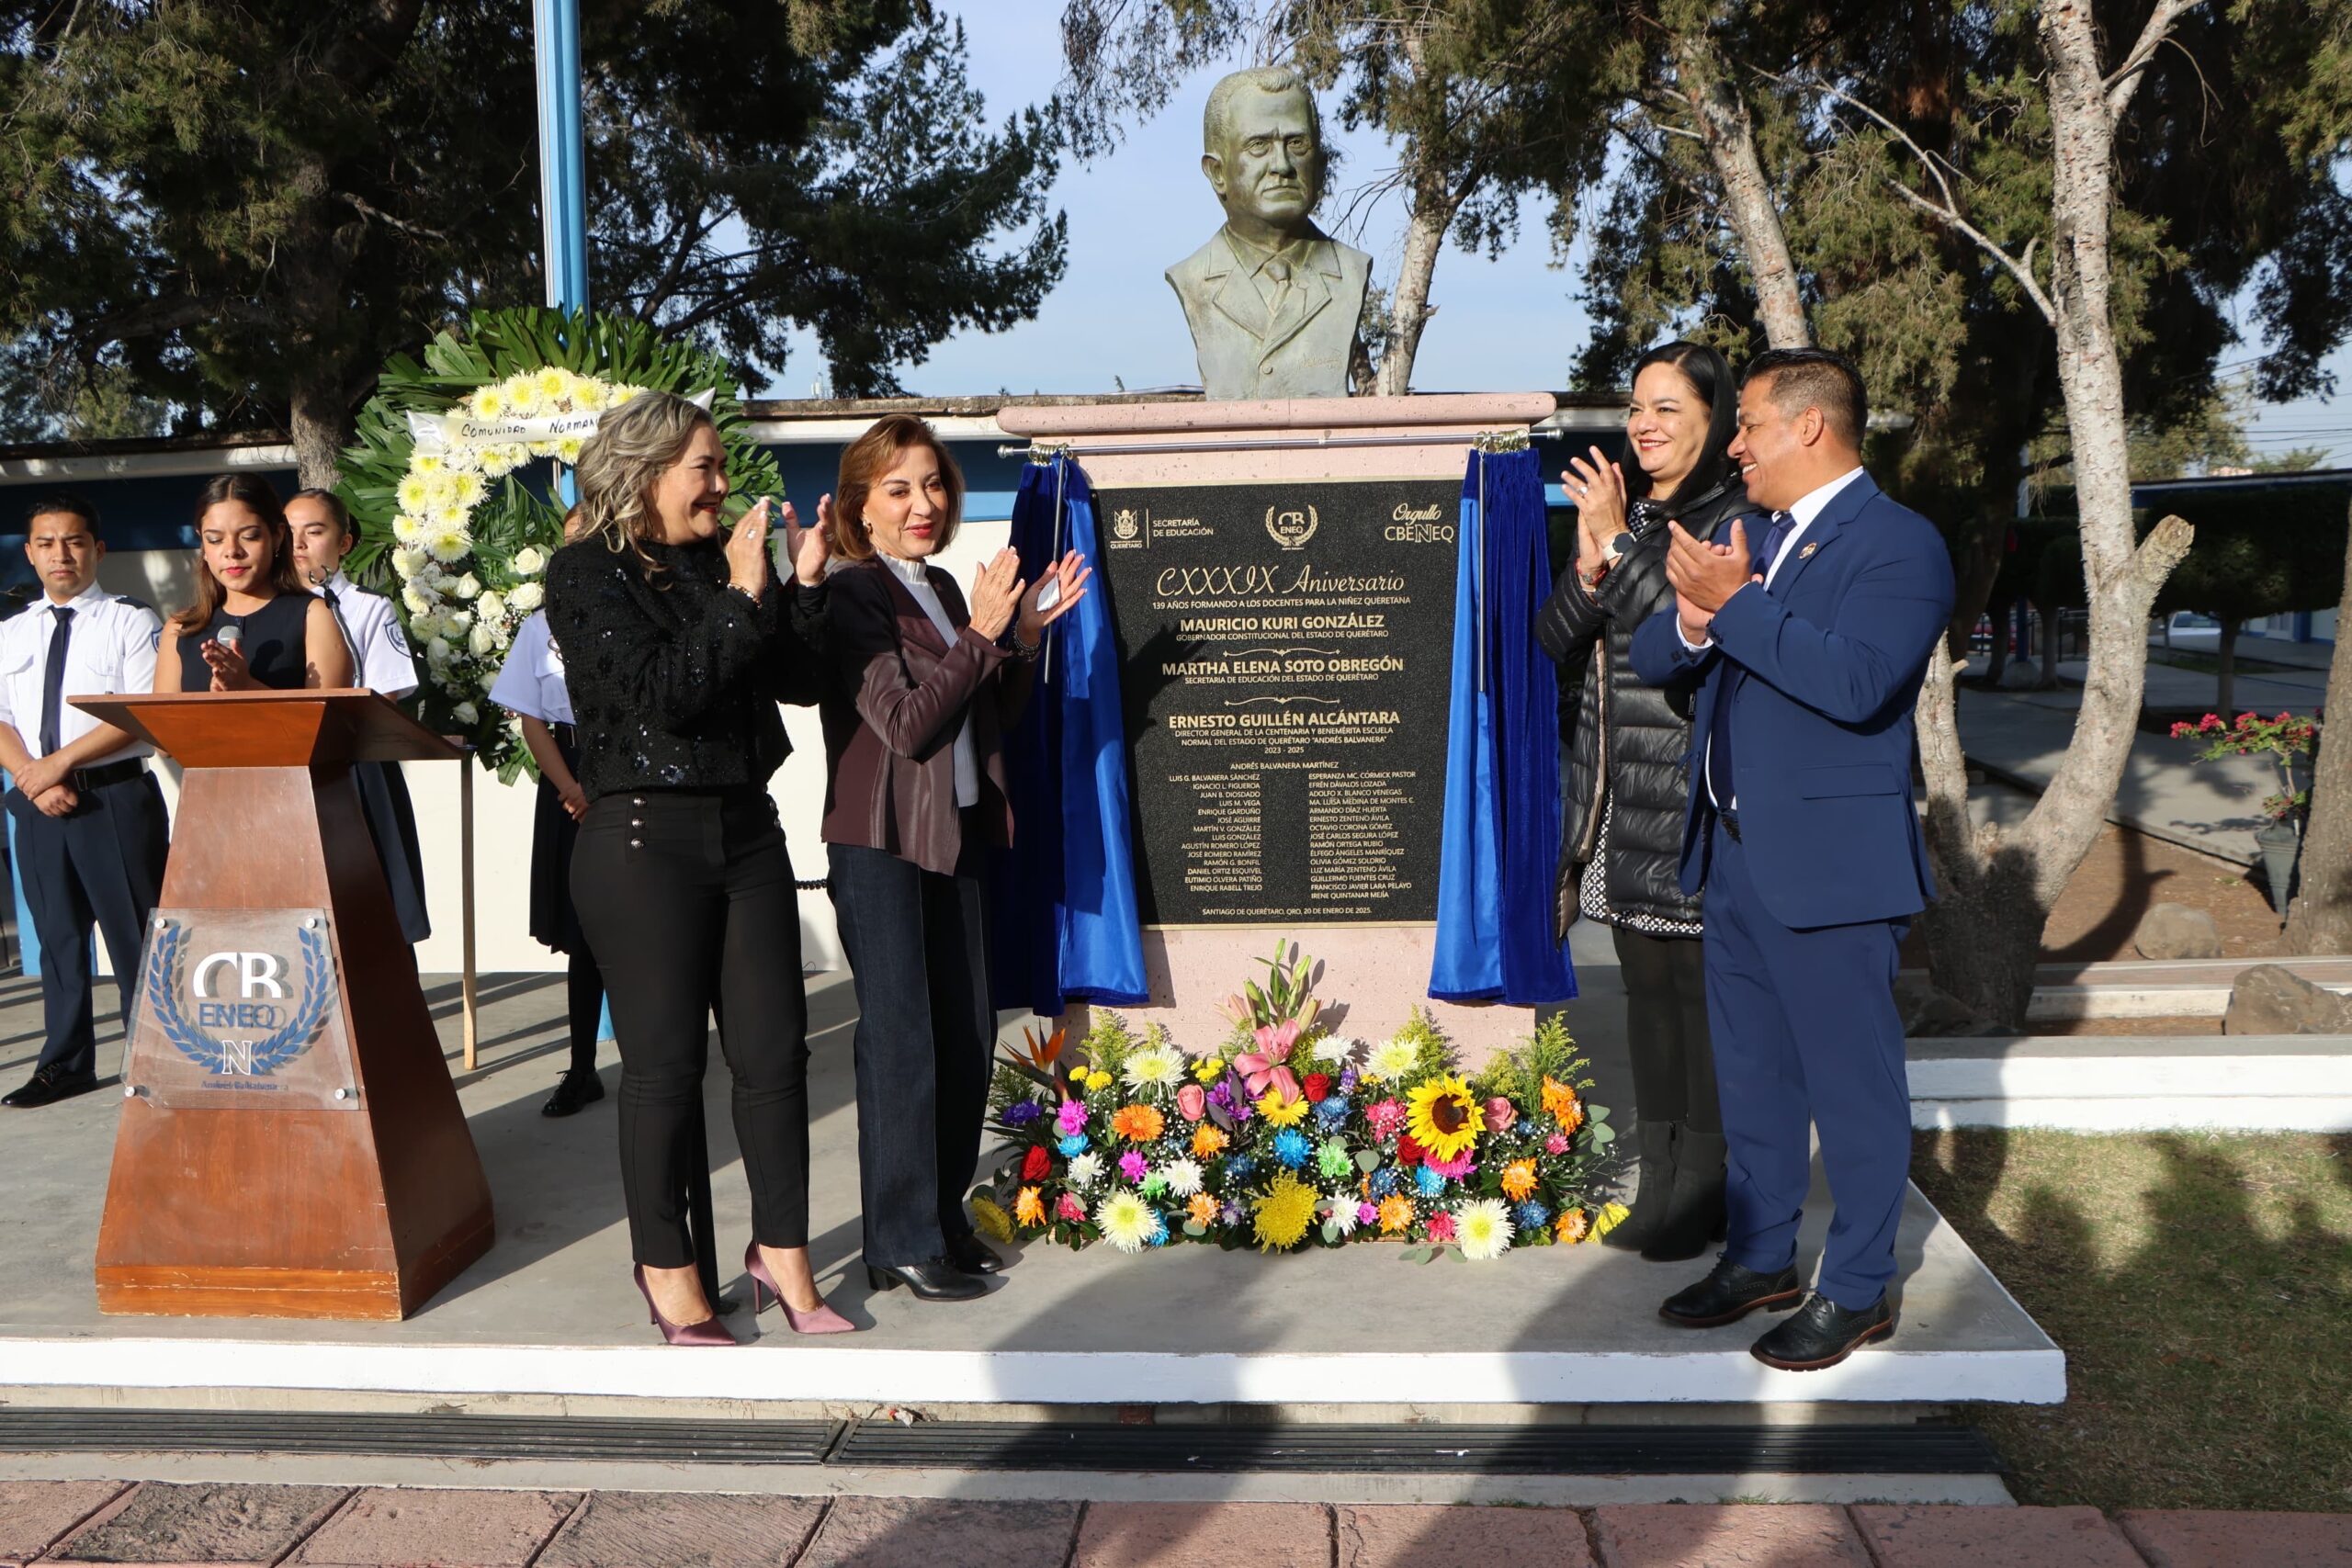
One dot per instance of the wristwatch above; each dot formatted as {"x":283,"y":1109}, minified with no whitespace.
{"x":1620,"y":545}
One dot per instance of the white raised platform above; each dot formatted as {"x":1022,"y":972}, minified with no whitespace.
{"x":550,"y":1314}
{"x":2135,"y":1083}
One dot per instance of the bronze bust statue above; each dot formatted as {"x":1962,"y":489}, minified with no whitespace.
{"x":1272,"y":299}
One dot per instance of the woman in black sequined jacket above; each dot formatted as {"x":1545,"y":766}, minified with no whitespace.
{"x":1628,"y":781}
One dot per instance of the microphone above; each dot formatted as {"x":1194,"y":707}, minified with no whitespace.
{"x":231,"y":636}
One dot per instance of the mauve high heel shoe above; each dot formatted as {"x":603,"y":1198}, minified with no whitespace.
{"x":820,"y":1319}
{"x":709,"y":1331}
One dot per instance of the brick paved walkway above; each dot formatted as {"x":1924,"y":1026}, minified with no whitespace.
{"x":161,"y":1526}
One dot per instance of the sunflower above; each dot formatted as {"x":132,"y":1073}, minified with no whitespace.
{"x":990,"y":1220}
{"x":1483,"y":1228}
{"x":1029,"y":1208}
{"x":1281,"y":1112}
{"x":1443,"y":1118}
{"x":1284,"y":1213}
{"x":1572,"y":1226}
{"x":1561,"y":1104}
{"x":1207,"y":1140}
{"x":1395,"y":1214}
{"x":1139,"y":1124}
{"x":1519,"y":1179}
{"x":1126,"y":1220}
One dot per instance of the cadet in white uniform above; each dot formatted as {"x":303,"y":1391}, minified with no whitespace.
{"x":91,"y":831}
{"x":381,"y":662}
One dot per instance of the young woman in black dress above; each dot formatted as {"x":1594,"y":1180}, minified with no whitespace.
{"x":246,"y":577}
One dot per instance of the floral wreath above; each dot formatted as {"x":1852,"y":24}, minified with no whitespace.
{"x":450,"y":482}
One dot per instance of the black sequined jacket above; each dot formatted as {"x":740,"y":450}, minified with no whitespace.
{"x":675,"y":677}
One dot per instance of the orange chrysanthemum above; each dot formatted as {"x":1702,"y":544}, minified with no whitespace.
{"x":1560,"y":1102}
{"x":1137,"y":1123}
{"x":1207,"y":1141}
{"x":1029,"y":1208}
{"x":1519,"y":1179}
{"x":1395,"y":1214}
{"x":1200,"y":1209}
{"x":1573,"y":1224}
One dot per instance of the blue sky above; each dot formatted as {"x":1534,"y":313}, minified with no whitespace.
{"x":1511,"y":323}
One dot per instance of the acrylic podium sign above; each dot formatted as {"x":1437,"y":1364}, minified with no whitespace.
{"x":291,"y":1144}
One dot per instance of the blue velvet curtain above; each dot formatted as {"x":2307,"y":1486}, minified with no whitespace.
{"x":1063,"y":899}
{"x":1501,"y":828}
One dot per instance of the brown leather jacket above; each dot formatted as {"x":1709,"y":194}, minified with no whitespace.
{"x":899,"y":698}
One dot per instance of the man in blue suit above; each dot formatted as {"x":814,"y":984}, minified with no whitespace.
{"x":1800,"y":828}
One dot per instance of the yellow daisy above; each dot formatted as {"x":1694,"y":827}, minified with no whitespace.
{"x":1280,"y":1112}
{"x":1442,"y":1118}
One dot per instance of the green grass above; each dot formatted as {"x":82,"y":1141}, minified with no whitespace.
{"x":2200,"y":1285}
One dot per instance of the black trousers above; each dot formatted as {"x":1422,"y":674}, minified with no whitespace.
{"x":102,"y":865}
{"x":687,"y":900}
{"x":1665,"y":1027}
{"x":918,"y":950}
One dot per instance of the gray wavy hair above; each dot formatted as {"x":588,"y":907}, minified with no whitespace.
{"x":633,"y":446}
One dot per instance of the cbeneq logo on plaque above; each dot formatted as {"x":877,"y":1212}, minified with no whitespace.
{"x":1291,"y":528}
{"x":239,"y":1006}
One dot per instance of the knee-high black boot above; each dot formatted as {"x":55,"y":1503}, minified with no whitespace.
{"x":1658,"y":1142}
{"x":1694,"y":1204}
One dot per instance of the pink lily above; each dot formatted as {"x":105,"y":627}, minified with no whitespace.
{"x":1264,"y":1066}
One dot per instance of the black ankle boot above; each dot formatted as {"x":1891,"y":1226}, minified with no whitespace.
{"x":1694,"y":1203}
{"x":1657,"y":1141}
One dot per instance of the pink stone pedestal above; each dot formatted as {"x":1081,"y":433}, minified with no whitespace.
{"x":1381,"y":972}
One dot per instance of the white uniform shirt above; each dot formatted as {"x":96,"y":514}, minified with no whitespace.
{"x":110,"y":650}
{"x":967,"y":757}
{"x":379,"y":653}
{"x":531,"y":681}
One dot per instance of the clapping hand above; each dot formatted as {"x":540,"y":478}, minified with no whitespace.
{"x":806,"y":549}
{"x":1705,"y":574}
{"x":996,"y":593}
{"x":747,"y":552}
{"x":1598,"y":488}
{"x":1068,"y":575}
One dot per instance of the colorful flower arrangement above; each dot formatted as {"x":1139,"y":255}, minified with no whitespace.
{"x":2283,"y":739}
{"x":1292,"y":1135}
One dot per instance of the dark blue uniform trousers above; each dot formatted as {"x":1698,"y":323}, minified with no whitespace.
{"x":104,"y":864}
{"x":1806,"y":1032}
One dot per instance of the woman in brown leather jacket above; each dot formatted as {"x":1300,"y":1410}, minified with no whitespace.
{"x":923,"y":691}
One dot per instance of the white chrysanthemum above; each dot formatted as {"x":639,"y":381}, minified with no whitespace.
{"x":407,"y":530}
{"x":437,"y":651}
{"x":491,"y":608}
{"x":546,"y":448}
{"x":554,"y":383}
{"x":1343,"y":1213}
{"x":1154,"y":1067}
{"x":1183,"y":1177}
{"x":1483,"y":1228}
{"x":621,"y":394}
{"x":522,"y":396}
{"x":590,"y":397}
{"x":427,"y":462}
{"x":526,"y":597}
{"x":490,"y":402}
{"x":1085,"y":1169}
{"x":467,"y":586}
{"x":484,"y":641}
{"x":466,"y":712}
{"x":1127,"y":1221}
{"x":407,"y":559}
{"x":447,"y":542}
{"x":1391,"y":1059}
{"x":1337,"y":1048}
{"x":419,"y":599}
{"x":414,"y":492}
{"x":467,"y":490}
{"x":529,"y":562}
{"x":567,"y":448}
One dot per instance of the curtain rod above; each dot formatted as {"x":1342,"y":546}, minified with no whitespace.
{"x":1485,"y":440}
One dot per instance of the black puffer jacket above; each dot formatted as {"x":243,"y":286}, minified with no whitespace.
{"x":1629,"y":736}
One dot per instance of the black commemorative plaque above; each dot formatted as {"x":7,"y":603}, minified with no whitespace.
{"x":1286,"y":652}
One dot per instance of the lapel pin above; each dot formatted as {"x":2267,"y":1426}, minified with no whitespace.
{"x":1808,"y":549}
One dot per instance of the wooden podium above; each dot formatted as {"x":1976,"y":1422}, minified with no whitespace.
{"x":291,"y":1144}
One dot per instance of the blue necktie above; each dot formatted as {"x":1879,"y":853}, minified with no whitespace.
{"x":52,"y":680}
{"x":1719,"y":771}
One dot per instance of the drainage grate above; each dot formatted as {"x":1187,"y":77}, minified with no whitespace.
{"x":1015,"y":1446}
{"x":1480,"y":1450}
{"x":435,"y":1437}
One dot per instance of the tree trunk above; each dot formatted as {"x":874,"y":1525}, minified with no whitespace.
{"x":2226,"y":658}
{"x":319,"y":424}
{"x":2007,"y":880}
{"x":2320,"y":920}
{"x":1433,"y":207}
{"x":1730,"y":139}
{"x":1996,"y":658}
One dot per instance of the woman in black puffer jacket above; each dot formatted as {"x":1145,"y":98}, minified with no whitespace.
{"x":1628,"y":780}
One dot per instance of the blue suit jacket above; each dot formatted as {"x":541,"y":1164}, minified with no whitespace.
{"x":1826,"y":667}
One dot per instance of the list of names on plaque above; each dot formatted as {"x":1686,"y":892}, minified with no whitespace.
{"x":1287,"y":655}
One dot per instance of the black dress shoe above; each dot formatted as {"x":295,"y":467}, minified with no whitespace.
{"x":1822,"y":1334}
{"x":973,"y":1255}
{"x":50,"y":1085}
{"x":1730,"y":1294}
{"x":934,"y":1281}
{"x":577,"y":1088}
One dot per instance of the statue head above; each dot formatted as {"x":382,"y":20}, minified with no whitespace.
{"x":1261,"y":148}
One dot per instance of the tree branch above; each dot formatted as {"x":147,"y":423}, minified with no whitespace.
{"x":376,"y":215}
{"x":2125,"y":78}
